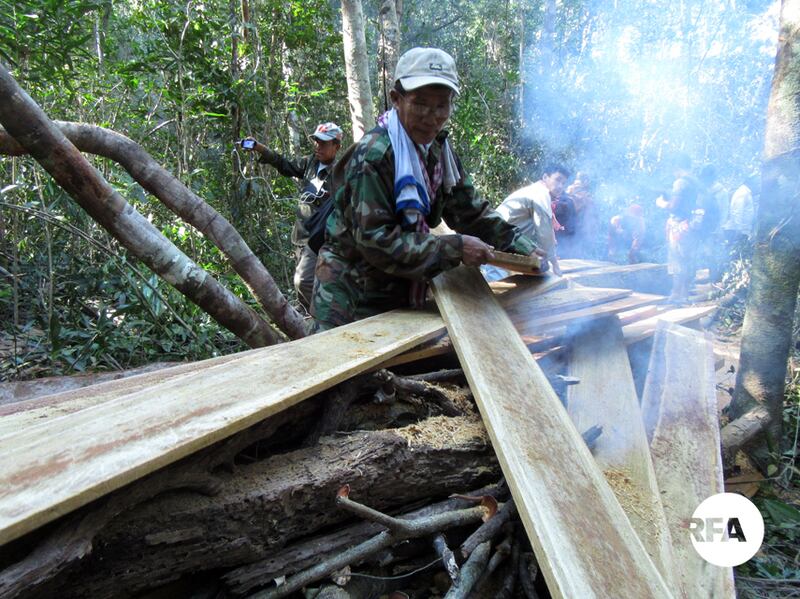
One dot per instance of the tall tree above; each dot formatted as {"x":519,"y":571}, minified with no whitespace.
{"x":359,"y":92}
{"x":388,"y":46}
{"x":775,"y":274}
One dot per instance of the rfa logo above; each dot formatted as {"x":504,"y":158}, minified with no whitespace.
{"x":726,"y":529}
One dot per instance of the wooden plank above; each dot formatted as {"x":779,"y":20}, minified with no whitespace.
{"x":647,"y":327}
{"x":517,"y":263}
{"x":571,"y":265}
{"x":536,"y":326}
{"x":680,"y":417}
{"x":59,"y":465}
{"x":582,"y":538}
{"x":18,"y":415}
{"x":606,"y":397}
{"x":645,"y":277}
{"x":511,"y":290}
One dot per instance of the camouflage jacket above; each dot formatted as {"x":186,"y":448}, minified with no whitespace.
{"x":311,"y":198}
{"x":367,"y":254}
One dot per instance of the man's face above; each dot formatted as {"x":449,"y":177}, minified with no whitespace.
{"x":325,"y":151}
{"x":555,"y":183}
{"x":424,"y":111}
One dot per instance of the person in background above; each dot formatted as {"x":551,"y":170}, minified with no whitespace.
{"x":626,"y":234}
{"x":314,"y":172}
{"x":401,"y":179}
{"x":585,"y":240}
{"x":531,"y":210}
{"x":712,"y":201}
{"x":681,"y":229}
{"x":741,"y":212}
{"x":565,"y":214}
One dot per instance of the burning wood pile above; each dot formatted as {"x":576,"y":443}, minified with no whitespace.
{"x":216,"y":479}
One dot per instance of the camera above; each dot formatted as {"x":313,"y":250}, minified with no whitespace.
{"x":248,"y":144}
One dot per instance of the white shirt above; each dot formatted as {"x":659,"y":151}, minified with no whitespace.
{"x":525,"y":209}
{"x":742,"y":211}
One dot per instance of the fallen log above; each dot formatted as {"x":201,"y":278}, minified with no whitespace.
{"x":263,"y":506}
{"x":740,"y":433}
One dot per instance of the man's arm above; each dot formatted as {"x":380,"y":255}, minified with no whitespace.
{"x":286,"y":167}
{"x":468,"y":214}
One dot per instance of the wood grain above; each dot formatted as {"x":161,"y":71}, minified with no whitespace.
{"x":680,"y":417}
{"x":606,"y":397}
{"x":582,"y":538}
{"x":516,"y":262}
{"x":63,"y":463}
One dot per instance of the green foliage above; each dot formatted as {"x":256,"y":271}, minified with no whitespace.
{"x":188,"y":79}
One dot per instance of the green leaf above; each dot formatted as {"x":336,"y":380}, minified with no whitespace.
{"x":782,"y":513}
{"x":771,"y":470}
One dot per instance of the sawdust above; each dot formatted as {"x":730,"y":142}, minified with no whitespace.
{"x":460,"y":396}
{"x":440,"y":432}
{"x":640,"y":507}
{"x":356,"y":337}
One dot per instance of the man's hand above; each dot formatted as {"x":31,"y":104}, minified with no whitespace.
{"x":556,"y":266}
{"x":538,"y":253}
{"x":475,"y":252}
{"x":257,"y":147}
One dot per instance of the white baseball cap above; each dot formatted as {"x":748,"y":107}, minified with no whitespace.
{"x":327,"y":132}
{"x":426,"y":66}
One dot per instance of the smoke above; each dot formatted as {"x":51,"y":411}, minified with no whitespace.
{"x":618,"y":88}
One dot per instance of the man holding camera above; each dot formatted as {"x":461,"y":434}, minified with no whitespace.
{"x":314,"y":173}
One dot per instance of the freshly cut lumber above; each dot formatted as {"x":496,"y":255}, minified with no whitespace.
{"x":514,"y":289}
{"x":680,"y":416}
{"x":528,"y":286}
{"x":537,"y":326}
{"x":534,"y":313}
{"x":646,"y":328}
{"x":516,"y":262}
{"x":15,"y":392}
{"x":606,"y":397}
{"x":582,"y":538}
{"x":571,"y":265}
{"x":521,"y":307}
{"x":18,"y":415}
{"x":52,"y":468}
{"x":645,"y":277}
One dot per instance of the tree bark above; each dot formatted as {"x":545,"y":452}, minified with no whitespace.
{"x":775,"y":274}
{"x":186,"y":204}
{"x":28,"y":124}
{"x":359,"y":92}
{"x":388,"y":47}
{"x":265,"y":505}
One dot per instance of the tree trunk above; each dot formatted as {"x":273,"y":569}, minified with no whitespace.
{"x":359,"y":93}
{"x":28,"y":124}
{"x":388,"y":48}
{"x":264,"y":506}
{"x":775,"y":274}
{"x":186,"y":204}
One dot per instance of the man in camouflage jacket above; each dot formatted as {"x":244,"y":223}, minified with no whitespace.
{"x":372,"y":256}
{"x":313,"y":172}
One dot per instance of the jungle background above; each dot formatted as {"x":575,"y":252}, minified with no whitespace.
{"x":613,"y":88}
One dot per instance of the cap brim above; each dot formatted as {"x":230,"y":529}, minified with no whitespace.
{"x":322,"y":136}
{"x":412,"y":83}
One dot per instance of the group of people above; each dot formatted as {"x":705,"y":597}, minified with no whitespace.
{"x":703,"y":226}
{"x":392,"y":187}
{"x":379,"y":202}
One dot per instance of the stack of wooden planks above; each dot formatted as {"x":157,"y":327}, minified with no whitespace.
{"x":596,"y":522}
